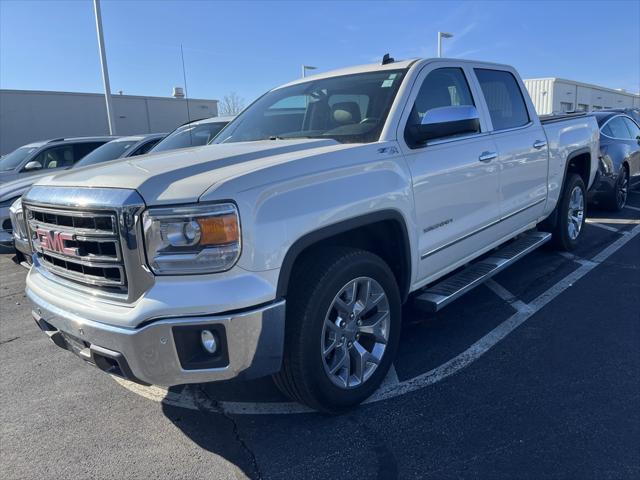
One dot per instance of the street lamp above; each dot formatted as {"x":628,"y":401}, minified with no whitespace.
{"x":105,"y":71}
{"x":442,"y":35}
{"x":305,"y":68}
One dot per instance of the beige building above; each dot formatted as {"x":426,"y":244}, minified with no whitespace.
{"x":28,"y":116}
{"x":554,"y":95}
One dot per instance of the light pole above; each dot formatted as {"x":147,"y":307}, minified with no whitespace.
{"x":105,"y":71}
{"x":442,"y":35}
{"x":305,"y":68}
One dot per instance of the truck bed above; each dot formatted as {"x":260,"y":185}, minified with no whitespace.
{"x":556,"y":117}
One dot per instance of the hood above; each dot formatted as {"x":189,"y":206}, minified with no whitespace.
{"x":16,"y":188}
{"x":8,"y":176}
{"x":182,"y":176}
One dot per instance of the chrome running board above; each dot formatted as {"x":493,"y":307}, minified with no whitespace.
{"x":441,"y":294}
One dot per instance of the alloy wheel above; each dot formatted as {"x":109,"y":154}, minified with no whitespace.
{"x":576,"y":212}
{"x":622,"y":189}
{"x":355,"y":332}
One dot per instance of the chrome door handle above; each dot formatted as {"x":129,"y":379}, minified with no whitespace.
{"x":487,"y":156}
{"x":538,"y":144}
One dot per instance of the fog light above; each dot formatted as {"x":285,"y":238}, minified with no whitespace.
{"x":208,"y":341}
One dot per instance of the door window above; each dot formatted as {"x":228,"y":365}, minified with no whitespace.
{"x":502,"y":93}
{"x":633,"y":128}
{"x":444,"y":87}
{"x":82,"y":149}
{"x":56,"y":157}
{"x":616,"y":128}
{"x":145,"y":147}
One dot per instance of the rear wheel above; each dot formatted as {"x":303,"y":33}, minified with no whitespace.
{"x":618,"y":197}
{"x":343,"y":327}
{"x":571,"y":214}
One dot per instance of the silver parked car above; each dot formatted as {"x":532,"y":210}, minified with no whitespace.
{"x":122,"y":147}
{"x":58,"y":153}
{"x":193,"y":134}
{"x":35,"y":160}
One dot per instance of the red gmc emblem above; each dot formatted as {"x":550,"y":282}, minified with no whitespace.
{"x":55,"y":241}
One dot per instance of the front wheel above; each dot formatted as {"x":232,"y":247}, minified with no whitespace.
{"x":571,"y":214}
{"x":343,"y":328}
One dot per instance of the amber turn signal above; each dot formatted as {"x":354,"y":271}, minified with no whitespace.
{"x":218,"y":230}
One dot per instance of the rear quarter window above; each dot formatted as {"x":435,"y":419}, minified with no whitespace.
{"x":504,"y":99}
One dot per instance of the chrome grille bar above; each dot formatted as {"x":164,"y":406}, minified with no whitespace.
{"x":90,"y":240}
{"x":82,"y":246}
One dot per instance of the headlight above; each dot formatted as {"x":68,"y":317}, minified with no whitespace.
{"x":192,"y":239}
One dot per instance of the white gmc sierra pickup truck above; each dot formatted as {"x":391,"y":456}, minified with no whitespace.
{"x":288,"y":246}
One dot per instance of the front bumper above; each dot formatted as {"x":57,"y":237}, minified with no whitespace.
{"x":251,"y":343}
{"x":22,"y":245}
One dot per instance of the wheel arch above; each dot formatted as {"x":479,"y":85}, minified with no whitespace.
{"x":351,"y":233}
{"x":579,"y":161}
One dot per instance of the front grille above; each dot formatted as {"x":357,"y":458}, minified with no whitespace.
{"x":79,"y":246}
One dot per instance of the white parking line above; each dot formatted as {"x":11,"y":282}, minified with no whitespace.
{"x":575,"y":258}
{"x":632,"y":208}
{"x":500,"y":291}
{"x":392,"y":389}
{"x":601,"y":225}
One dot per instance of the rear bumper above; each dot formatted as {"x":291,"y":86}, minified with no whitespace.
{"x":250,"y":344}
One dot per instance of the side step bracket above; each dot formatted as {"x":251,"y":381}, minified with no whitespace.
{"x":441,"y":294}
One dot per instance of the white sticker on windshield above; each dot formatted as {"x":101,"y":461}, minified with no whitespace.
{"x":387,"y":83}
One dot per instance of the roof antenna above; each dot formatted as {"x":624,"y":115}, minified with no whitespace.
{"x":186,"y":93}
{"x":387,"y":59}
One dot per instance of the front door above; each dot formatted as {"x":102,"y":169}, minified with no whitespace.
{"x":456,"y":180}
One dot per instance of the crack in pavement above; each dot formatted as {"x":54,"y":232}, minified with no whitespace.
{"x":2,"y":342}
{"x":208,"y":404}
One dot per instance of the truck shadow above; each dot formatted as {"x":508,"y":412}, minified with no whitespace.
{"x":309,"y":445}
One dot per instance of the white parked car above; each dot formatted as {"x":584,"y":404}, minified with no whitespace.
{"x":288,"y":246}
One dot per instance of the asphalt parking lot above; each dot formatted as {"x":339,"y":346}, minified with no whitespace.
{"x":535,"y":374}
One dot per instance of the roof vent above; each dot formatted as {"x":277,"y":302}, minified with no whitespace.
{"x":387,"y":59}
{"x":178,"y":92}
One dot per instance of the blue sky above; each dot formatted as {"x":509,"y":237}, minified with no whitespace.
{"x":249,"y":47}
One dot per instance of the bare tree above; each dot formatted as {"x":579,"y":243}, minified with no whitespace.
{"x":231,"y":104}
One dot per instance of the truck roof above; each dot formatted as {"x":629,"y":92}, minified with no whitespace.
{"x":379,"y":67}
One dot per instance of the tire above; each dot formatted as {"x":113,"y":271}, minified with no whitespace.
{"x":322,"y":286}
{"x":566,"y":232}
{"x":618,"y":196}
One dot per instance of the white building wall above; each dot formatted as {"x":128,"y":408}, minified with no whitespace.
{"x":551,"y":95}
{"x":28,"y":116}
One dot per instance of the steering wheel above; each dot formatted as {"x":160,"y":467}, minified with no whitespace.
{"x":369,"y":120}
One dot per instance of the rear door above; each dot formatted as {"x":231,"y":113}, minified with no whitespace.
{"x":456,"y":193}
{"x":522,"y":147}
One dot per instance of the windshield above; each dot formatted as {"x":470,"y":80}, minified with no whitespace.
{"x":349,"y":109}
{"x":12,"y":160}
{"x":189,"y":136}
{"x":106,"y":152}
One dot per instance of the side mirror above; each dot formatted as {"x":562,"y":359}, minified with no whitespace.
{"x":33,"y":165}
{"x":445,"y":122}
